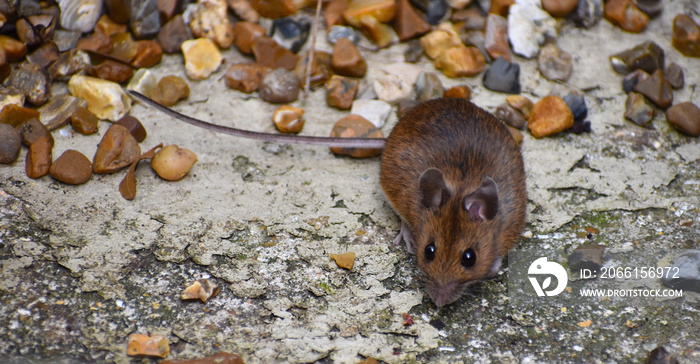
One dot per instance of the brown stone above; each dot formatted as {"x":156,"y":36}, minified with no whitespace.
{"x":341,"y":91}
{"x":510,"y":116}
{"x":379,"y":32}
{"x":84,"y":121}
{"x":549,"y":116}
{"x":458,"y":92}
{"x":274,"y":9}
{"x":657,"y":89}
{"x":521,"y":103}
{"x":685,"y":117}
{"x":33,"y":81}
{"x":347,"y":60}
{"x":123,"y":47}
{"x":439,"y":40}
{"x":56,"y":113}
{"x":333,"y":13}
{"x":355,"y":126}
{"x":470,"y":18}
{"x":172,"y":34}
{"x":461,"y":62}
{"x":245,"y":33}
{"x":32,"y":130}
{"x":167,"y":8}
{"x":72,"y":167}
{"x":408,"y":23}
{"x":17,"y":115}
{"x":149,"y":53}
{"x":686,"y":35}
{"x":134,"y":126}
{"x":500,"y":7}
{"x":38,"y":161}
{"x":638,"y":110}
{"x":202,"y":58}
{"x":244,"y":10}
{"x":279,"y":86}
{"x":674,"y":75}
{"x":69,"y":63}
{"x":112,"y":71}
{"x":44,"y":55}
{"x":245,"y":77}
{"x":496,"y":37}
{"x":119,"y":10}
{"x":554,"y":63}
{"x":218,"y":358}
{"x":170,"y":90}
{"x":559,"y":8}
{"x":269,"y":53}
{"x":382,"y":10}
{"x":107,"y":27}
{"x":626,"y":15}
{"x":97,"y":42}
{"x":10,"y":144}
{"x":345,"y":260}
{"x":14,"y":49}
{"x":117,"y":149}
{"x":36,"y":29}
{"x":321,"y":70}
{"x":288,"y":119}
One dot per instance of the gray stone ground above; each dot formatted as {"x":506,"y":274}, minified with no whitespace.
{"x":81,"y":268}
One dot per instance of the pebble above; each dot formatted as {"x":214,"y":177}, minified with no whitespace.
{"x":245,"y":33}
{"x":626,"y":15}
{"x":112,"y":71}
{"x":471,"y":18}
{"x":172,"y":163}
{"x":407,"y":23}
{"x":554,"y":63}
{"x":134,"y":126}
{"x":341,"y":91}
{"x":406,"y":71}
{"x":72,"y":167}
{"x":392,"y":88}
{"x":459,"y":92}
{"x":521,"y":103}
{"x":500,"y":7}
{"x":586,"y":256}
{"x":203,"y":290}
{"x":685,"y":116}
{"x":341,"y":31}
{"x":345,"y":260}
{"x":149,"y":53}
{"x":245,"y":77}
{"x":559,"y":8}
{"x":148,"y":345}
{"x":686,"y":35}
{"x":145,"y":19}
{"x":279,"y":86}
{"x":80,"y":15}
{"x":117,"y":149}
{"x":274,"y":9}
{"x":647,"y":56}
{"x":657,"y":89}
{"x":652,"y":8}
{"x":435,"y":10}
{"x":202,"y":58}
{"x":461,"y":62}
{"x":65,"y":40}
{"x":68,"y":64}
{"x":381,"y":10}
{"x":503,"y":76}
{"x":428,"y":86}
{"x":244,"y":10}
{"x":577,"y":104}
{"x":84,"y":121}
{"x":638,"y":110}
{"x":32,"y":81}
{"x":123,"y":47}
{"x":10,"y":143}
{"x":218,"y":358}
{"x":355,"y":126}
{"x":413,"y":52}
{"x":291,"y":33}
{"x":496,"y":37}
{"x":632,"y":79}
{"x":38,"y":161}
{"x":169,"y":90}
{"x":11,"y":95}
{"x":36,"y":29}
{"x":31,"y":130}
{"x":510,"y":115}
{"x":104,"y":98}
{"x":375,"y":111}
{"x":674,"y":75}
{"x":688,"y":277}
{"x":107,"y":27}
{"x":334,"y":13}
{"x":14,"y":49}
{"x":347,"y":60}
{"x":288,"y":119}
{"x":439,"y":40}
{"x":16,"y":115}
{"x":119,"y":10}
{"x":321,"y":70}
{"x":97,"y":42}
{"x":270,"y":54}
{"x":549,"y":116}
{"x":588,"y":13}
{"x":143,"y":81}
{"x":209,"y":19}
{"x":172,"y":34}
{"x":528,"y":25}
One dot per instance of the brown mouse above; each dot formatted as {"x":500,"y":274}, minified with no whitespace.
{"x":453,"y":173}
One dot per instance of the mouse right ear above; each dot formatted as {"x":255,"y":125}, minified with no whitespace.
{"x":433,"y":188}
{"x":482,"y":204}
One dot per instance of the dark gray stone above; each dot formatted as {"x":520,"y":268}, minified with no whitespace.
{"x":687,"y":276}
{"x":503,"y":76}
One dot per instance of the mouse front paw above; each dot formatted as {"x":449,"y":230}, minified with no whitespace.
{"x":404,"y":235}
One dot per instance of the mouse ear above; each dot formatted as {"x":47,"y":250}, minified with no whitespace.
{"x":433,"y":189}
{"x":482,"y":204}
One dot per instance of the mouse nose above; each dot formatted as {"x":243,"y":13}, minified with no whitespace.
{"x":444,"y":294}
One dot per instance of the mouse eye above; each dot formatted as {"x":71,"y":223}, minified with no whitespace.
{"x":430,"y":250}
{"x":468,"y":258}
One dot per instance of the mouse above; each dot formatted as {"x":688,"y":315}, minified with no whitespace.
{"x":454,"y":175}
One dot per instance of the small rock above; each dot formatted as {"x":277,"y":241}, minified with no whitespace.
{"x":334,"y":14}
{"x":245,"y":34}
{"x":274,"y":9}
{"x":392,"y":88}
{"x":33,"y":81}
{"x":406,"y":71}
{"x":428,"y":86}
{"x":471,"y":18}
{"x":112,"y":71}
{"x":632,"y":79}
{"x":407,"y":23}
{"x":202,"y":58}
{"x":686,"y":35}
{"x":414,"y":52}
{"x":279,"y":86}
{"x":66,"y":40}
{"x":500,"y":7}
{"x":117,"y":149}
{"x":119,"y":10}
{"x":340,"y":31}
{"x":124,"y":47}
{"x":145,"y":19}
{"x":32,"y":130}
{"x":201,"y":289}
{"x":68,"y":64}
{"x":134,"y":126}
{"x":647,"y":56}
{"x":38,"y":161}
{"x":586,"y":256}
{"x":84,"y":121}
{"x":461,"y":62}
{"x":434,"y":10}
{"x":355,"y":126}
{"x":341,"y":91}
{"x":626,"y":15}
{"x":577,"y":104}
{"x":44,"y":55}
{"x":172,"y":163}
{"x":657,"y":89}
{"x":148,"y":54}
{"x":36,"y":29}
{"x":10,"y":143}
{"x":143,"y":81}
{"x":291,"y":33}
{"x":588,"y":13}
{"x":345,"y":260}
{"x":97,"y":42}
{"x":169,"y":90}
{"x":381,"y":10}
{"x":503,"y":76}
{"x":496,"y":37}
{"x":218,"y":358}
{"x":244,"y":10}
{"x":374,"y":111}
{"x":321,"y":70}
{"x":528,"y":25}
{"x":549,"y":116}
{"x":554,"y":63}
{"x":439,"y":40}
{"x":104,"y":98}
{"x":14,"y":49}
{"x":80,"y":15}
{"x":459,"y":92}
{"x":638,"y":110}
{"x":172,"y":35}
{"x":685,"y":116}
{"x":72,"y":167}
{"x":107,"y":27}
{"x":674,"y":75}
{"x":688,"y":274}
{"x":209,"y":19}
{"x":559,"y":8}
{"x":347,"y":60}
{"x":245,"y":77}
{"x":146,"y":345}
{"x":16,"y":115}
{"x":270,"y":54}
{"x":521,"y":103}
{"x":510,"y":115}
{"x":11,"y":95}
{"x":288,"y":119}
{"x":651,"y":8}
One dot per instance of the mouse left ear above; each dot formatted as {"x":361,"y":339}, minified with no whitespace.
{"x":433,"y":189}
{"x":482,"y":204}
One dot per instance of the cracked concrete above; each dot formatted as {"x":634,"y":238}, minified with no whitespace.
{"x":81,"y":268}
